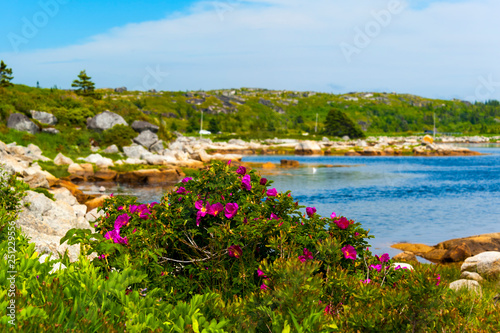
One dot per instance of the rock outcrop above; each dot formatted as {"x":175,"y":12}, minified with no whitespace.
{"x":44,"y":117}
{"x":20,"y":122}
{"x":308,"y":148}
{"x":454,"y":250}
{"x":486,"y":264}
{"x":104,"y":121}
{"x":60,"y":159}
{"x":46,"y":221}
{"x":141,"y":126}
{"x":146,"y":139}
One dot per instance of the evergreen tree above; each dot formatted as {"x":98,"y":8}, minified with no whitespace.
{"x":213,"y":126}
{"x":337,"y":123}
{"x":5,"y":75}
{"x":84,"y":86}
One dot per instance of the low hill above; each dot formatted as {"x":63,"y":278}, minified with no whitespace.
{"x":252,"y":112}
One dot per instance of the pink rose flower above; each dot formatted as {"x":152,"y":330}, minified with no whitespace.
{"x":215,"y":209}
{"x":234,"y":251}
{"x":272,"y":192}
{"x":383,"y":258}
{"x":342,"y":223}
{"x":245,"y":181}
{"x":241,"y":170}
{"x":310,"y":211}
{"x":230,"y":210}
{"x":307,"y":256}
{"x":349,"y":252}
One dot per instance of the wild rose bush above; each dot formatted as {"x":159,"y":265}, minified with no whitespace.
{"x":212,"y":233}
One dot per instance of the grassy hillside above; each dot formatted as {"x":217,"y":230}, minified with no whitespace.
{"x":252,"y":113}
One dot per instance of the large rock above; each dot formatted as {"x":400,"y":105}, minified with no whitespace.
{"x":308,"y":148}
{"x":113,"y":149}
{"x":14,"y":164}
{"x":100,"y":161}
{"x":405,"y":256}
{"x":290,"y":163}
{"x":94,"y":214}
{"x":418,"y":249}
{"x":50,"y":130}
{"x":44,"y":117}
{"x":103,"y":175}
{"x":158,"y":159}
{"x":470,"y":285}
{"x":454,"y":250}
{"x":135,"y":151}
{"x":34,"y":152}
{"x":471,"y":276}
{"x":104,"y":121}
{"x":486,"y":264}
{"x":237,"y":142}
{"x":131,"y":160}
{"x":46,"y":221}
{"x":83,"y":170}
{"x":141,"y":126}
{"x":157,"y":147}
{"x":96,"y":202}
{"x":146,"y":139}
{"x":20,"y":122}
{"x":63,"y":194}
{"x":36,"y":180}
{"x":60,"y":159}
{"x":203,"y":156}
{"x":151,"y":176}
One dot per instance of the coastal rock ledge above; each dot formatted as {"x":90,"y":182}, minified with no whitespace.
{"x":454,"y":250}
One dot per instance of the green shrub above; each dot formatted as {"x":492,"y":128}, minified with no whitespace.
{"x":184,"y":244}
{"x":73,"y":116}
{"x":120,"y":135}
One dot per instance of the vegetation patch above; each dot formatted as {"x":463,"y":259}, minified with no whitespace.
{"x":58,"y":171}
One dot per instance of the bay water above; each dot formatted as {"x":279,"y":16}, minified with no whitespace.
{"x":400,"y":199}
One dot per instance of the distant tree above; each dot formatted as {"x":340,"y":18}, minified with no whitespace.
{"x":5,"y":75}
{"x":337,"y":123}
{"x":213,"y":126}
{"x":84,"y":86}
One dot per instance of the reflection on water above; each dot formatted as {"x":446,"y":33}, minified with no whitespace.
{"x":144,"y":193}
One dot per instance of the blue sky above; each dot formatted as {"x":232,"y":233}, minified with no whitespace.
{"x":440,"y":49}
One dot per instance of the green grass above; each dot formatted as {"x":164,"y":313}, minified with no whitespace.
{"x":45,"y":192}
{"x":58,"y":171}
{"x":135,"y":167}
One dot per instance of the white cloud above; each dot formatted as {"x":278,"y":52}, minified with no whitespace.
{"x":439,"y":51}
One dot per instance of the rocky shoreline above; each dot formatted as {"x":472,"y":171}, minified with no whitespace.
{"x":46,"y":221}
{"x":454,"y":250}
{"x":478,"y":256}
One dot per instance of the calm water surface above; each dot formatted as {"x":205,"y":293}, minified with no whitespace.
{"x":412,"y":199}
